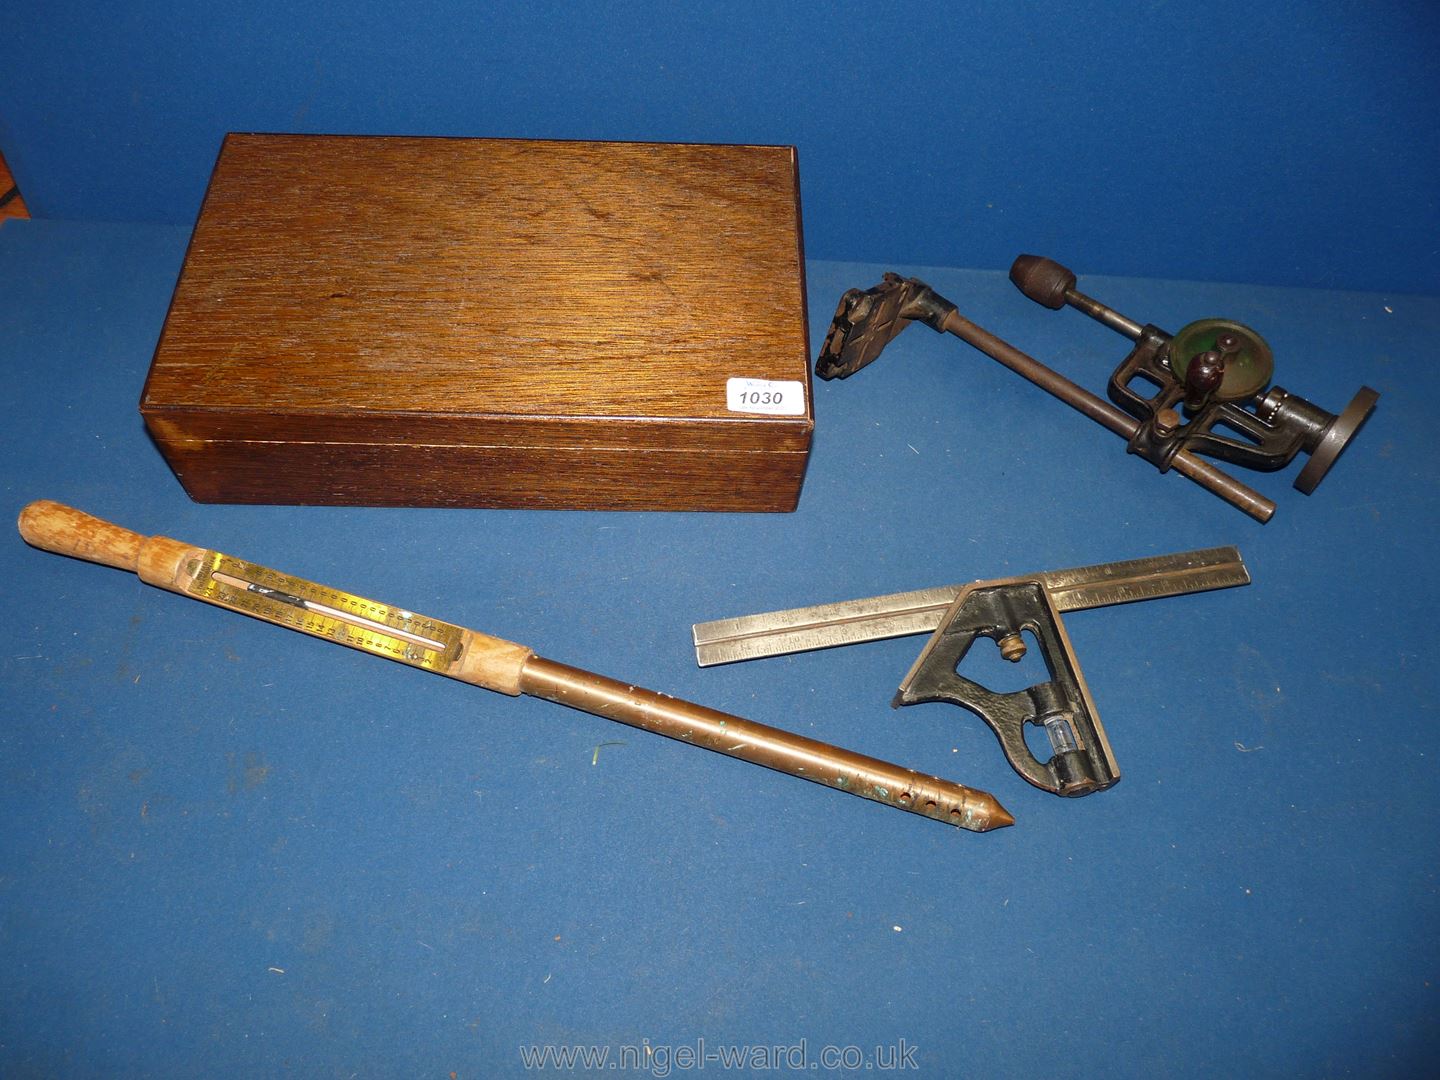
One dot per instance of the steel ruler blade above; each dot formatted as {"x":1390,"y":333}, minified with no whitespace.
{"x":849,"y":622}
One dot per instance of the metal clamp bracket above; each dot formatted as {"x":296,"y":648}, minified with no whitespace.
{"x":1082,"y":760}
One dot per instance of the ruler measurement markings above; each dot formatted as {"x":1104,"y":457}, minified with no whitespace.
{"x":898,"y":614}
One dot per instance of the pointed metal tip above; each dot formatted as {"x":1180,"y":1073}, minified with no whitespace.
{"x":982,"y":813}
{"x":999,"y":817}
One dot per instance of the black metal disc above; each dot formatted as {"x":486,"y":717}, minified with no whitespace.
{"x":1337,"y":436}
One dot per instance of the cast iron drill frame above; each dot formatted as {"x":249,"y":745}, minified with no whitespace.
{"x":1281,"y":426}
{"x":1274,"y":426}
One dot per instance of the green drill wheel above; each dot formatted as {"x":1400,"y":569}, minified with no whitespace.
{"x":1247,"y":370}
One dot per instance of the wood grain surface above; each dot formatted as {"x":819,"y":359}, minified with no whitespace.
{"x":345,"y":474}
{"x":13,"y":205}
{"x":486,"y":294}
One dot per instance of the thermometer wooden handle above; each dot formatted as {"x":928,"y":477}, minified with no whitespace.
{"x":67,"y":531}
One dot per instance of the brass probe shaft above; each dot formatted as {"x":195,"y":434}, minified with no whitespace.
{"x":509,"y":668}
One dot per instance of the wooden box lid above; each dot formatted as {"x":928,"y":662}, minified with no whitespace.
{"x":489,"y":291}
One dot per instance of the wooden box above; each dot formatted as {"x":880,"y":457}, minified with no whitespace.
{"x":486,"y":322}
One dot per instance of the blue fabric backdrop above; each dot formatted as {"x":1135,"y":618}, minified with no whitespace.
{"x":1290,"y":143}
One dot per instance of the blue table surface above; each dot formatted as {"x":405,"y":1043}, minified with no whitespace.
{"x":229,"y":850}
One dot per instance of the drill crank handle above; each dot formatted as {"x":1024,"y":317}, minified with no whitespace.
{"x":514,"y":669}
{"x":1102,"y":412}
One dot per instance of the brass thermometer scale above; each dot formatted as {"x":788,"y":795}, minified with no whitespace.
{"x":314,"y":609}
